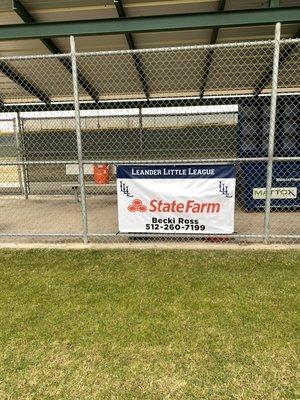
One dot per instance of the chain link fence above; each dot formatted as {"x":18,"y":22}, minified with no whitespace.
{"x":65,"y":115}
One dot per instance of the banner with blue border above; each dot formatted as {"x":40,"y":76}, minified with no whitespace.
{"x":176,"y":198}
{"x":175,"y":171}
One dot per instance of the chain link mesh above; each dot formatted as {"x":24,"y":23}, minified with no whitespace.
{"x":285,"y":220}
{"x":200,"y":104}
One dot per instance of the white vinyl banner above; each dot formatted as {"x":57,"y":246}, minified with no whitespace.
{"x":176,"y":198}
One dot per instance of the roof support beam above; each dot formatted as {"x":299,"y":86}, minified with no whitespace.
{"x":106,"y":105}
{"x":22,"y":12}
{"x":221,"y":19}
{"x":51,"y":46}
{"x":131,"y":104}
{"x":136,"y":57}
{"x":10,"y":73}
{"x":286,"y":52}
{"x":23,"y":82}
{"x":210,"y":52}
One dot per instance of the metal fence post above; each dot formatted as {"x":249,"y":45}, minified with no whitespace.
{"x":79,"y":142}
{"x":141,"y":131}
{"x":272,"y":133}
{"x":21,"y":168}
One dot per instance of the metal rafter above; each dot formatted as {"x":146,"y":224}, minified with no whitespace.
{"x":210,"y":52}
{"x":285,"y":53}
{"x":136,"y":57}
{"x":158,"y":23}
{"x":20,"y":80}
{"x":8,"y":71}
{"x":51,"y":46}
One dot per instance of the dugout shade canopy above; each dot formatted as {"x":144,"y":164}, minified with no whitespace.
{"x":43,"y":27}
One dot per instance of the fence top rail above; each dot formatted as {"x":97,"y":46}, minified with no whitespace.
{"x":35,"y":57}
{"x":286,"y":41}
{"x":178,"y":48}
{"x":151,"y":50}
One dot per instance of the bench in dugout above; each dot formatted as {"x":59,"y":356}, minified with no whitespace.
{"x":73,"y":170}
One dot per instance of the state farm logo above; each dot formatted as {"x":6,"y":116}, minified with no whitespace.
{"x":190,"y":206}
{"x":137,"y":205}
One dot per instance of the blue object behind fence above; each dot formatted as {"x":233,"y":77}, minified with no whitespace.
{"x":253,"y":131}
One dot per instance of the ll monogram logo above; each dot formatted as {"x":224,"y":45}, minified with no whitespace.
{"x":224,"y":189}
{"x":124,"y":189}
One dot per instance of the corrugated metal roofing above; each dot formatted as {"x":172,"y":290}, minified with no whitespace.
{"x":68,"y":10}
{"x":160,"y":83}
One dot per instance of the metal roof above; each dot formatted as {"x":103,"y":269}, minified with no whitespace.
{"x":72,"y":10}
{"x":160,"y":84}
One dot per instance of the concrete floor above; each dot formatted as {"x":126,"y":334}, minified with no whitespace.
{"x":61,"y":214}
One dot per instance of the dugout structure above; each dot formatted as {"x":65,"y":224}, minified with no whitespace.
{"x":218,"y":103}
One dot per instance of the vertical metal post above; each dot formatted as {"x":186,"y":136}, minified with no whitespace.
{"x":79,"y":142}
{"x":272,"y":133}
{"x":21,"y":168}
{"x":141,"y":131}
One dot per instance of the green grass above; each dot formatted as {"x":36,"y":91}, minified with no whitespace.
{"x":148,"y":324}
